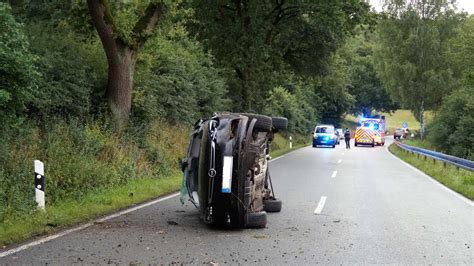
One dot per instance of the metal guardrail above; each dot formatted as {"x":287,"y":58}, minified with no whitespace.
{"x":447,"y":159}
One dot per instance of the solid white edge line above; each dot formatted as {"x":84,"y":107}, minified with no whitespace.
{"x":277,"y":158}
{"x":81,"y":227}
{"x":320,"y":206}
{"x":334,"y":173}
{"x":452,"y":192}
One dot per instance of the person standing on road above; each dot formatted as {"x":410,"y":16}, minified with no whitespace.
{"x":347,"y":138}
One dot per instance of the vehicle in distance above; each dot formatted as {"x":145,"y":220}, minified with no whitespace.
{"x":340,"y":133}
{"x":400,"y":133}
{"x":325,"y":135}
{"x":370,"y":132}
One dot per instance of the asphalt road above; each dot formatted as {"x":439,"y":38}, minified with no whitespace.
{"x":377,"y":210}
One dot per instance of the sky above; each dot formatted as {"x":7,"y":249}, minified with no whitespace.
{"x":466,"y":5}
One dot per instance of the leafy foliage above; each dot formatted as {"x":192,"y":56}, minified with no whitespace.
{"x":412,"y":56}
{"x":453,"y":128}
{"x":18,"y":75}
{"x":365,"y":85}
{"x":178,"y":81}
{"x":260,"y":42}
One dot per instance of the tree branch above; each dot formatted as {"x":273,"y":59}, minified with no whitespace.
{"x":104,"y":23}
{"x":147,"y":23}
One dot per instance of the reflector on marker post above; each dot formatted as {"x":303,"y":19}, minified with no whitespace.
{"x":39,"y":184}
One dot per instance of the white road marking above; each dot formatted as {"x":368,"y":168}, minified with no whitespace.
{"x":81,"y":227}
{"x":277,"y":158}
{"x":320,"y":207}
{"x":459,"y":196}
{"x":334,"y":174}
{"x":342,"y":153}
{"x":340,"y":161}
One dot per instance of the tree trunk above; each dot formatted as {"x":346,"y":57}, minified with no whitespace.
{"x":120,"y":82}
{"x":422,"y":119}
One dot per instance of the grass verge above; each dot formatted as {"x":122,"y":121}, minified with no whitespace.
{"x":281,"y":143}
{"x":92,"y":205}
{"x":459,"y":180}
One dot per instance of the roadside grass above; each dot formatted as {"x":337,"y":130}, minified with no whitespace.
{"x":459,"y":180}
{"x":281,"y":143}
{"x":91,"y":206}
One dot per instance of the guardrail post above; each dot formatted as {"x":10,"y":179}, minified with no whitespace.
{"x":291,"y":143}
{"x":39,"y":184}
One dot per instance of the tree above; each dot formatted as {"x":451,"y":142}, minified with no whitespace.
{"x":261,"y":42}
{"x":18,"y":75}
{"x":365,"y":85}
{"x":412,"y":57}
{"x":122,"y":40}
{"x":332,"y":88}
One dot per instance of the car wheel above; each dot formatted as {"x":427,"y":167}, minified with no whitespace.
{"x":279,"y":123}
{"x":257,"y":219}
{"x":263,"y":123}
{"x":272,"y":205}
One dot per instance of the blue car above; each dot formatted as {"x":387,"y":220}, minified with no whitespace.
{"x":324,"y":135}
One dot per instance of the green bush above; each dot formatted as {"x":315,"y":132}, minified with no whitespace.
{"x":18,"y":76}
{"x":176,"y":80}
{"x":82,"y":158}
{"x":452,"y":129}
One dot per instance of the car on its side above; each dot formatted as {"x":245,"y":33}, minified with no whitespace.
{"x":325,"y":135}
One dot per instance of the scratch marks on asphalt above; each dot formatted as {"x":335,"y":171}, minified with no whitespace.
{"x":320,"y":206}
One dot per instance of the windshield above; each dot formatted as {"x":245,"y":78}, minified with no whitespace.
{"x":328,"y":130}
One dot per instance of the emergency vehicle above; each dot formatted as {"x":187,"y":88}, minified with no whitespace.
{"x":371,"y":131}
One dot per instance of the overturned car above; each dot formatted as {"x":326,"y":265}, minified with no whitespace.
{"x":226,"y":171}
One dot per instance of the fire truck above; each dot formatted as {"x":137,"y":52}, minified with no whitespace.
{"x":371,"y":131}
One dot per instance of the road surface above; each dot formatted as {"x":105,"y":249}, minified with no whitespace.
{"x":339,"y":206}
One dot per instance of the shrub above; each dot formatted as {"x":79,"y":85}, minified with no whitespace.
{"x":452,"y":129}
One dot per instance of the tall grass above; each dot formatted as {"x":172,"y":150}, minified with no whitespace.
{"x":83,"y":158}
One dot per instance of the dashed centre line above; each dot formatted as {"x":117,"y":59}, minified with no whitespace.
{"x":334,"y":174}
{"x":320,"y":206}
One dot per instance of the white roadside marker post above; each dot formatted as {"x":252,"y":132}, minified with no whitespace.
{"x":39,"y":184}
{"x":291,"y":144}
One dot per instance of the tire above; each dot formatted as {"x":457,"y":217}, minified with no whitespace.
{"x":263,"y":124}
{"x":272,"y":205}
{"x":383,"y":143}
{"x":333,"y":146}
{"x":355,"y":144}
{"x":373,"y":144}
{"x":279,"y":123}
{"x":257,"y":219}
